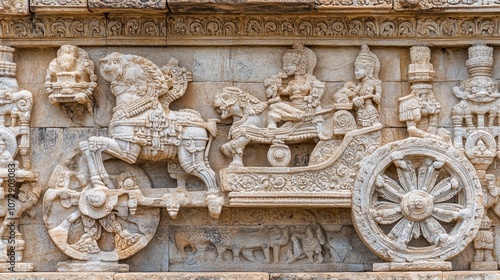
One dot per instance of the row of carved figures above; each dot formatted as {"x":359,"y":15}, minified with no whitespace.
{"x":90,"y":197}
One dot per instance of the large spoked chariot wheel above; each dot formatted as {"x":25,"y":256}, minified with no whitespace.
{"x":417,"y":200}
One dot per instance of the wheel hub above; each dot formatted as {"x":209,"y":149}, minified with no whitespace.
{"x":417,"y":205}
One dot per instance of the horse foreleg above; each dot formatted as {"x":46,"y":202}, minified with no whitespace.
{"x":191,"y":159}
{"x":93,"y":149}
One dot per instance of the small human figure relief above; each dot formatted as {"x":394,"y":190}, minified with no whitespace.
{"x":295,"y":115}
{"x":70,"y":81}
{"x":478,"y":109}
{"x":420,"y":109}
{"x":103,"y":198}
{"x":365,"y":96}
{"x":19,"y":190}
{"x":475,"y":123}
{"x":252,"y":247}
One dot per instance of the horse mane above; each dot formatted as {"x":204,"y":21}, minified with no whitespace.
{"x":250,"y":104}
{"x":154,"y":73}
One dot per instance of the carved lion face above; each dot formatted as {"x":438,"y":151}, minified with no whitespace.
{"x":223,"y":104}
{"x":111,"y":67}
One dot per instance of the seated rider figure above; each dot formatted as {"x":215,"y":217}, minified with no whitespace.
{"x":304,"y":90}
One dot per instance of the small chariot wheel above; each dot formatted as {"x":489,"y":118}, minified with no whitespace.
{"x":279,"y":155}
{"x":417,"y":200}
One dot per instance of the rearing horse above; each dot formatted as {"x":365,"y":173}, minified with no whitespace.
{"x":144,"y":127}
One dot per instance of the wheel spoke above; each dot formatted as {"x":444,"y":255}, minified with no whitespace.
{"x":428,"y":174}
{"x":386,"y":213}
{"x":406,"y":175}
{"x":433,"y":231}
{"x":389,"y":189}
{"x":447,"y":212}
{"x":445,"y":190}
{"x":402,"y":231}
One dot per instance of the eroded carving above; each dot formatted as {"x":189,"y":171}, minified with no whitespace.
{"x":420,"y":109}
{"x":101,"y":198}
{"x":403,"y":193}
{"x":19,"y":190}
{"x":70,"y":81}
{"x":344,"y":139}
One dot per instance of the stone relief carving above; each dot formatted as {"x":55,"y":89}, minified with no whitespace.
{"x":343,"y":139}
{"x":223,"y":26}
{"x":420,"y":109}
{"x":19,"y":190}
{"x":250,"y":247}
{"x":94,"y":196}
{"x":373,"y":27}
{"x":14,"y":6}
{"x":402,"y":195}
{"x":70,"y":81}
{"x":478,"y":111}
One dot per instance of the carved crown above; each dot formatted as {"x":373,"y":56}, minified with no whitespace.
{"x":7,"y":65}
{"x":420,"y":69}
{"x":480,"y":60}
{"x":365,"y":56}
{"x":302,"y":56}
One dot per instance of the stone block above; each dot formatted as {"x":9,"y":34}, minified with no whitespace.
{"x":255,"y":64}
{"x":127,"y":5}
{"x":59,"y":6}
{"x":252,"y":6}
{"x":471,"y":275}
{"x":335,"y":64}
{"x":58,"y":275}
{"x":194,"y":276}
{"x":389,"y":116}
{"x":211,"y":64}
{"x":449,"y":64}
{"x":358,"y":276}
{"x":447,"y":6}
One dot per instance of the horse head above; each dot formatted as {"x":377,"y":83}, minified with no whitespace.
{"x":232,"y":101}
{"x":112,"y":66}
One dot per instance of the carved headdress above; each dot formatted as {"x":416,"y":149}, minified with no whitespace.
{"x":368,"y":60}
{"x":303,"y":57}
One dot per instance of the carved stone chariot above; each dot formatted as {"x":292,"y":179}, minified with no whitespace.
{"x":415,"y":203}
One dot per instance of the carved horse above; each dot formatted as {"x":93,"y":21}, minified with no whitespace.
{"x":143,"y":126}
{"x":246,"y":111}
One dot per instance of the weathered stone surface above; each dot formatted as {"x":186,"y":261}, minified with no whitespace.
{"x":14,"y":7}
{"x":58,"y":276}
{"x":63,"y":6}
{"x":127,"y":5}
{"x":447,"y":5}
{"x":361,"y":276}
{"x":252,"y":6}
{"x":471,"y":275}
{"x":194,"y":276}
